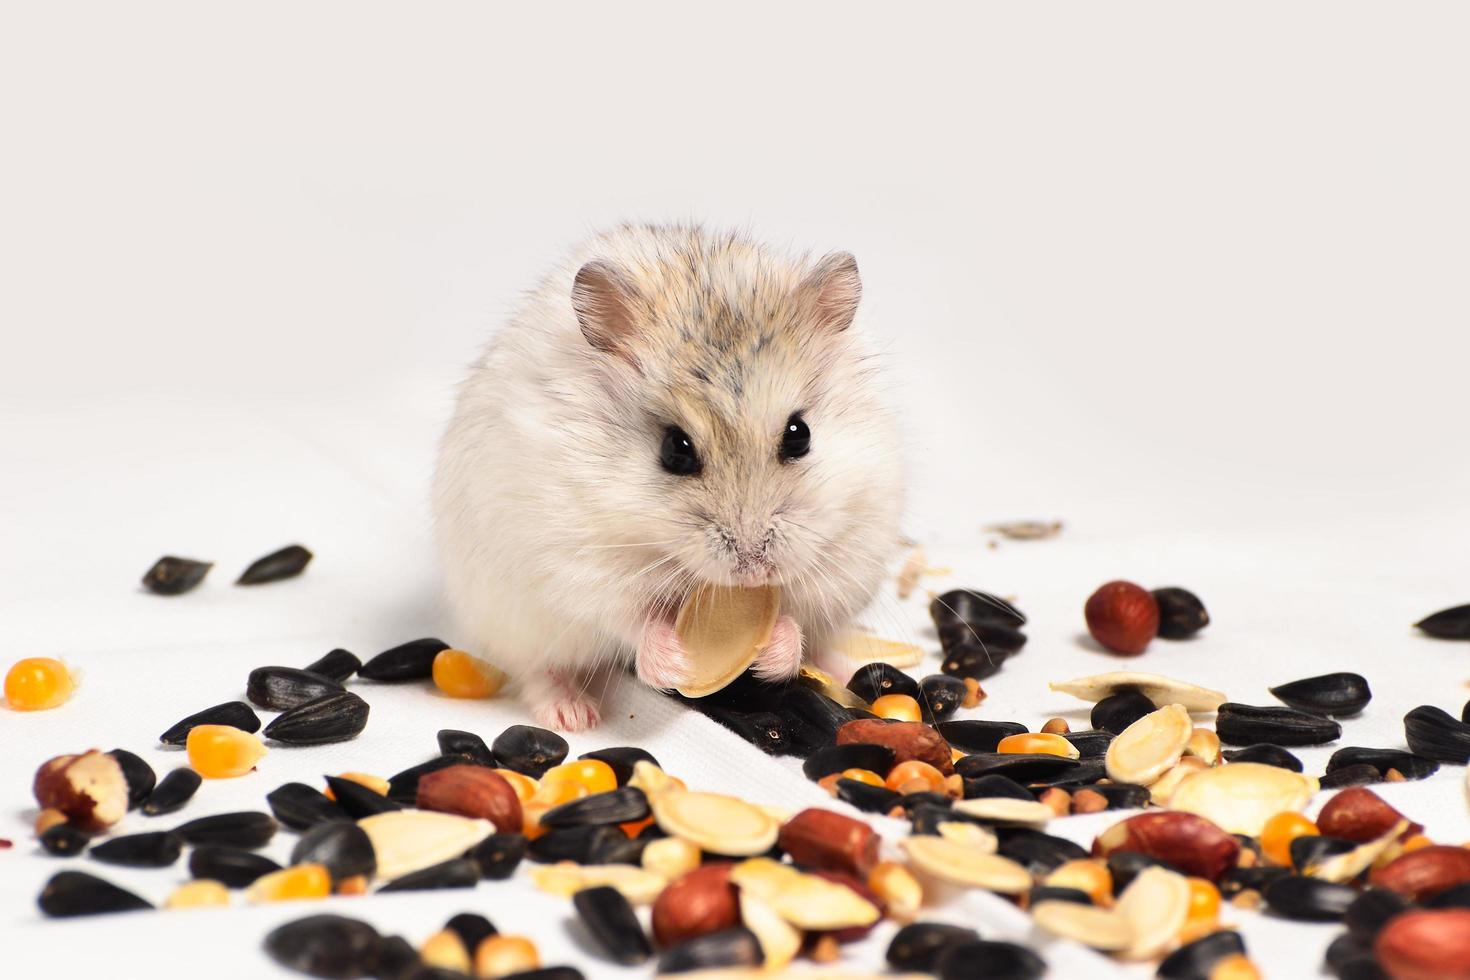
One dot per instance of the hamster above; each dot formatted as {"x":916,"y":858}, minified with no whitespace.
{"x":668,"y":407}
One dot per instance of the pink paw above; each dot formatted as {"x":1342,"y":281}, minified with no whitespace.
{"x":575,"y":713}
{"x":781,"y":658}
{"x":661,"y":660}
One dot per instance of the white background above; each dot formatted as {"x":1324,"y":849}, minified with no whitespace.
{"x":1190,"y":278}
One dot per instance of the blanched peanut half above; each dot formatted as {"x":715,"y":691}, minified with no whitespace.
{"x":1149,"y":747}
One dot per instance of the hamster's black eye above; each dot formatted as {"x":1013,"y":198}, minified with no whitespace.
{"x":796,"y":440}
{"x":677,"y":455}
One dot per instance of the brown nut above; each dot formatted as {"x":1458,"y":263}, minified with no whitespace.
{"x":1188,"y":842}
{"x":89,"y":788}
{"x":1426,"y":944}
{"x":1420,"y":875}
{"x":699,"y":902}
{"x":472,"y":791}
{"x":1358,"y":814}
{"x":824,"y":839}
{"x":1088,"y":801}
{"x":907,"y":739}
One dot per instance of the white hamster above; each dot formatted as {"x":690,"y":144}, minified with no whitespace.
{"x":671,"y":406}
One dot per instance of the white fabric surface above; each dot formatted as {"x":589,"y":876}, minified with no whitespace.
{"x":138,"y":480}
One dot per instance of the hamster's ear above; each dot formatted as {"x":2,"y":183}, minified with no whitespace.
{"x":832,"y":290}
{"x":605,"y":302}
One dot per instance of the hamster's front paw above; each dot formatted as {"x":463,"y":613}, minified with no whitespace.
{"x":781,"y":658}
{"x":565,"y":706}
{"x":662,"y":661}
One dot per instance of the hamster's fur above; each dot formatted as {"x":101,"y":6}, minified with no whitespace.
{"x":567,"y":546}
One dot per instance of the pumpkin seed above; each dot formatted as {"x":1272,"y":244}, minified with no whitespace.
{"x":1098,"y":928}
{"x":246,"y":829}
{"x":1435,"y":734}
{"x":1242,"y":796}
{"x":325,"y":946}
{"x":233,"y":867}
{"x":916,"y":946}
{"x":1181,"y":614}
{"x":454,"y":873}
{"x":342,"y":847}
{"x":807,"y":901}
{"x":962,"y":864}
{"x":154,"y":849}
{"x":717,"y":824}
{"x":236,"y":714}
{"x":405,"y":841}
{"x":73,"y":893}
{"x":284,"y":688}
{"x":779,"y":940}
{"x":529,"y":750}
{"x":300,"y":806}
{"x":637,"y":885}
{"x":175,"y":576}
{"x":1266,"y":754}
{"x":338,"y":665}
{"x":1157,"y":688}
{"x":172,"y":792}
{"x":1150,"y":746}
{"x":1000,"y":809}
{"x":612,"y":923}
{"x":1448,"y":624}
{"x":1155,"y":903}
{"x":1338,"y":695}
{"x":1245,"y":724}
{"x":333,"y":718}
{"x":288,"y":562}
{"x":860,"y":647}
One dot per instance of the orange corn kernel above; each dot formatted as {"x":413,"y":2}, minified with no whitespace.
{"x":355,"y":885}
{"x":1038,"y":743}
{"x":38,"y":683}
{"x":377,"y":784}
{"x":974,"y":693}
{"x":499,"y":956}
{"x":531,"y":814}
{"x":1234,"y":967}
{"x":863,"y":776}
{"x":288,"y":884}
{"x":524,"y":785}
{"x":1204,"y":907}
{"x":635,"y":827}
{"x":898,"y":706}
{"x":446,"y":951}
{"x":1280,"y":831}
{"x":461,"y":675}
{"x":915,"y":771}
{"x":1087,"y":875}
{"x":221,"y":752}
{"x":574,"y":780}
{"x":1415,"y":843}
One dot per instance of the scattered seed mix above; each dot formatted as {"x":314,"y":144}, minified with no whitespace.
{"x":671,"y":876}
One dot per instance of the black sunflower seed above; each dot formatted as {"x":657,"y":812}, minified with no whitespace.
{"x":1338,"y":695}
{"x":467,"y":745}
{"x":994,"y":784}
{"x":1371,"y":910}
{"x":766,"y":730}
{"x":612,"y":922}
{"x":853,"y":755}
{"x":396,"y":959}
{"x":989,"y":959}
{"x":873,"y":680}
{"x":574,"y":844}
{"x":337,"y":665}
{"x":866,"y":796}
{"x":975,"y":735}
{"x":1454,"y":897}
{"x":912,"y":802}
{"x":1361,"y":774}
{"x":1117,"y":711}
{"x":621,"y":758}
{"x":330,"y":946}
{"x":154,"y":849}
{"x":1435,"y":734}
{"x":359,"y":801}
{"x":1407,"y":764}
{"x":342,"y":847}
{"x":1309,"y":899}
{"x":244,"y":829}
{"x":940,"y":696}
{"x":333,"y":718}
{"x":284,"y":688}
{"x":725,"y":948}
{"x":529,"y":750}
{"x":1312,"y":849}
{"x":617,"y":849}
{"x":1465,"y":713}
{"x":1124,"y":866}
{"x":236,"y":714}
{"x":1040,"y":852}
{"x":1092,"y":743}
{"x":974,"y":606}
{"x":815,"y":710}
{"x":1245,"y":724}
{"x":915,"y":947}
{"x":1084,"y":773}
{"x":301,"y":807}
{"x":1196,"y":960}
{"x":64,"y":840}
{"x":1056,"y":893}
{"x":456,"y":873}
{"x":925,"y":818}
{"x":289,"y":562}
{"x":1255,"y":878}
{"x":1344,"y":952}
{"x":175,"y":576}
{"x":233,"y":867}
{"x":547,"y":973}
{"x":411,"y":661}
{"x":622,"y":805}
{"x":403,"y":787}
{"x":472,"y":928}
{"x":139,"y":775}
{"x":1266,"y":754}
{"x":499,"y":854}
{"x":175,"y":789}
{"x":1181,"y":614}
{"x":72,"y":893}
{"x":1022,"y":767}
{"x":972,"y":660}
{"x":1448,"y":624}
{"x":994,"y":637}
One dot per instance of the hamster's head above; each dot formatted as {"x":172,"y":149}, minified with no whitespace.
{"x":744,"y":421}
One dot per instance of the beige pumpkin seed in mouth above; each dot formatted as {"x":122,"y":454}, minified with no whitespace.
{"x":723,"y":630}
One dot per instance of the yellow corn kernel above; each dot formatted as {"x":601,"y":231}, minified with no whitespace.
{"x":498,"y":956}
{"x":197,"y":894}
{"x":462,"y":675}
{"x":38,"y":683}
{"x":355,"y":885}
{"x":974,"y":693}
{"x":902,"y":707}
{"x":863,"y":776}
{"x":222,"y":752}
{"x":574,"y":780}
{"x":445,"y":950}
{"x":915,"y":771}
{"x":1086,"y":875}
{"x":1038,"y":743}
{"x":296,"y":882}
